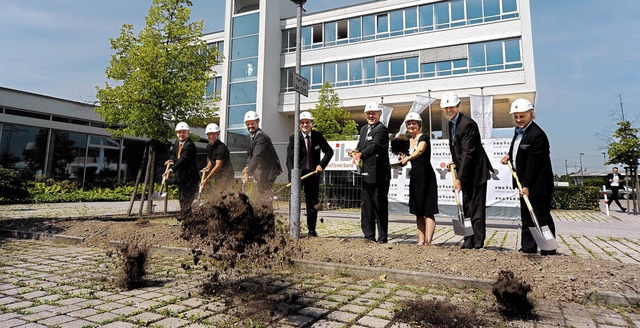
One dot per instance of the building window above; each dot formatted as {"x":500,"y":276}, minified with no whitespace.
{"x":219,"y":45}
{"x":423,"y":18}
{"x":213,"y":88}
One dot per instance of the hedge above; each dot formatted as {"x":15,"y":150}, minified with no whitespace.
{"x":576,"y":198}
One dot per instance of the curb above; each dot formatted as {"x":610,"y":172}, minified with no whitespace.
{"x":41,"y":236}
{"x":407,"y":277}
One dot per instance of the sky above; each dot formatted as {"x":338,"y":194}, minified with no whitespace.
{"x":586,"y":60}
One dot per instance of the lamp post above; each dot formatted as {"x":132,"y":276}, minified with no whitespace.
{"x":604,"y":155}
{"x":581,"y":170}
{"x":294,"y":205}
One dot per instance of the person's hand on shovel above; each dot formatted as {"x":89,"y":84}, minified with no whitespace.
{"x":457,"y":184}
{"x":166,"y":174}
{"x":245,"y":176}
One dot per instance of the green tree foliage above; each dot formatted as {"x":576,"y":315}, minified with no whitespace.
{"x":160,"y":75}
{"x":329,"y":118}
{"x":159,"y":78}
{"x":625,"y":147}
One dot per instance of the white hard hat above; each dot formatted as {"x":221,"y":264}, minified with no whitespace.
{"x":372,"y":107}
{"x":212,"y":128}
{"x":520,"y":105}
{"x":413,"y":116}
{"x":182,"y":126}
{"x":306,"y":116}
{"x":251,"y":116}
{"x":449,"y":99}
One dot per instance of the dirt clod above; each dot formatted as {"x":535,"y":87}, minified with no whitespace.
{"x":134,"y":255}
{"x":511,"y":293}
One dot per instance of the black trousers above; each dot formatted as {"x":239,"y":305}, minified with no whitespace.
{"x":187,"y":190}
{"x":375,"y":210}
{"x":542,"y":209}
{"x":311,"y":186}
{"x":474,"y":200}
{"x":614,"y":197}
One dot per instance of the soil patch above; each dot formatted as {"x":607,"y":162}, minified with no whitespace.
{"x":555,"y":278}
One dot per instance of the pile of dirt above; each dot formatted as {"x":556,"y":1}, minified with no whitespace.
{"x":435,"y":313}
{"x":238,"y":235}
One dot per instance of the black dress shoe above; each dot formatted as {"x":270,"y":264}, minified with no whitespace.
{"x":313,"y":234}
{"x":382,"y":241}
{"x":464,"y":247}
{"x":528,"y":251}
{"x":547,"y":253}
{"x":624,"y":210}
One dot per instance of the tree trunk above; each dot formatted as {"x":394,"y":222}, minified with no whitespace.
{"x":145,"y":188}
{"x":138,"y":178}
{"x":152,"y":173}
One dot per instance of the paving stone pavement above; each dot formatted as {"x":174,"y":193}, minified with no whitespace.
{"x":45,"y":284}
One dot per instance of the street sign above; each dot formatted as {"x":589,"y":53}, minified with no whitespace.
{"x":300,"y":85}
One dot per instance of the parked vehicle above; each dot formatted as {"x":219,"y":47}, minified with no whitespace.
{"x":623,"y":193}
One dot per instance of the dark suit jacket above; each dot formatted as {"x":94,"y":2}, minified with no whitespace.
{"x":472,"y":163}
{"x":375,"y":153}
{"x":533,"y":163}
{"x":620,"y":176}
{"x":186,"y":167}
{"x":262,"y":159}
{"x":318,"y":143}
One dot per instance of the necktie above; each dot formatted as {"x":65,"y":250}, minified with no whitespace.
{"x":453,"y":131}
{"x":308,"y":140}
{"x":519,"y":131}
{"x":179,"y":149}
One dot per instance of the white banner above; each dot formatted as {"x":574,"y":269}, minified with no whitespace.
{"x":419,"y":105}
{"x":482,"y":115}
{"x":500,"y":193}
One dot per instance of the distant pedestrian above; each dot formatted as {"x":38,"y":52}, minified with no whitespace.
{"x":184,"y":165}
{"x":311,"y":142}
{"x":529,"y":155}
{"x":423,"y":190}
{"x":219,"y":165}
{"x":615,"y":182}
{"x":372,"y":152}
{"x":473,"y":168}
{"x":262,"y":160}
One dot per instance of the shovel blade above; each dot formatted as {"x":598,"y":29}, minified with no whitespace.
{"x":461,"y":225}
{"x":544,"y":238}
{"x":462,"y":228}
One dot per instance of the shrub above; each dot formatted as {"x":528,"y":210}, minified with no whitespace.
{"x":576,"y":198}
{"x":12,"y":188}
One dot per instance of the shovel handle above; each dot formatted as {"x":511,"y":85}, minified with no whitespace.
{"x":452,"y":167}
{"x":289,"y":184}
{"x":526,"y":198}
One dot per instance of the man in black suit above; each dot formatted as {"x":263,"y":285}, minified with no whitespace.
{"x":262,"y":160}
{"x":310,"y":144}
{"x":473,"y":168}
{"x":184,"y":165}
{"x":372,"y":152}
{"x":615,"y":182}
{"x":529,"y":155}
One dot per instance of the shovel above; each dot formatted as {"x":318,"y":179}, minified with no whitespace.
{"x":199,"y":200}
{"x":160,"y":195}
{"x":542,"y":235}
{"x":289,"y":184}
{"x":461,"y":225}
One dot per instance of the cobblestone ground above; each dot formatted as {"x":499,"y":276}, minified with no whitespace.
{"x":44,"y":284}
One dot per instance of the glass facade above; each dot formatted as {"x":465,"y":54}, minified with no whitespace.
{"x":89,"y":160}
{"x":482,"y":57}
{"x":243,"y":86}
{"x":429,"y":17}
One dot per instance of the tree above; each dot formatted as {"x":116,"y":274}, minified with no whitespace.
{"x":625,"y":147}
{"x":160,"y":77}
{"x":329,"y":118}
